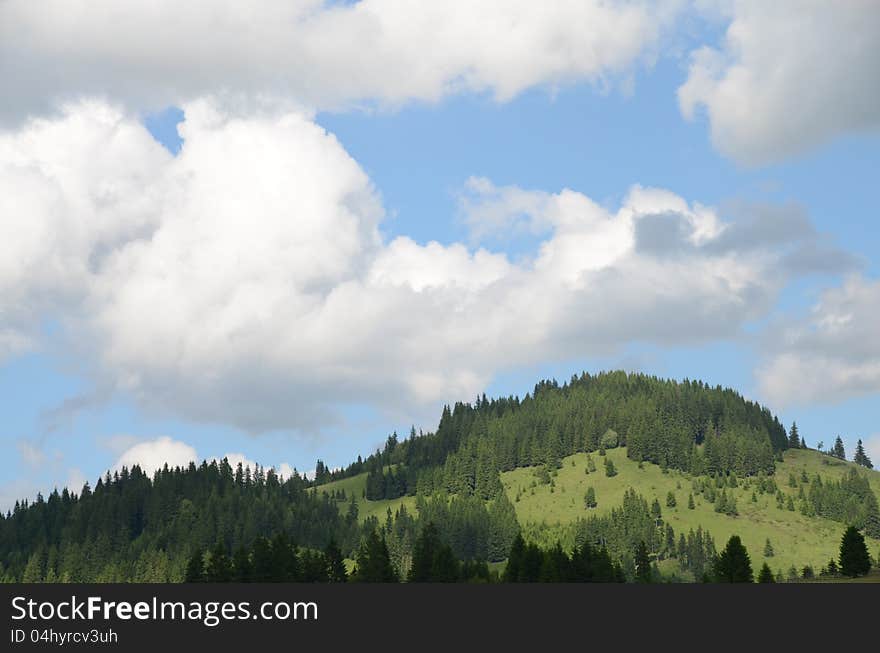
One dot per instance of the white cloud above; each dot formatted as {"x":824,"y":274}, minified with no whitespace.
{"x":156,"y":53}
{"x":832,"y":355}
{"x":154,"y":454}
{"x":245,"y":281}
{"x":789,"y":76}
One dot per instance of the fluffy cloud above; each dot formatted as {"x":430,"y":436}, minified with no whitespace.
{"x":318,"y":54}
{"x":154,"y":454}
{"x":788,"y":77}
{"x":832,"y":355}
{"x":245,"y":281}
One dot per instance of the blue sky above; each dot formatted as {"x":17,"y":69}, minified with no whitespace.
{"x":71,"y":409}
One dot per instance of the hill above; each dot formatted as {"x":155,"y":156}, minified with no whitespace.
{"x":689,"y":465}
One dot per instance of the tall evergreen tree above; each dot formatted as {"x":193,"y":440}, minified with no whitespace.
{"x":336,"y":572}
{"x":219,"y":567}
{"x":765,"y":575}
{"x":794,"y":438}
{"x":838,"y":451}
{"x":861,"y":458}
{"x":643,"y":563}
{"x":195,"y":569}
{"x":373,"y":561}
{"x":733,"y":564}
{"x":854,"y":558}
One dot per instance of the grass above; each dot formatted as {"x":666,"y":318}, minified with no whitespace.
{"x":797,"y":540}
{"x":355,"y":486}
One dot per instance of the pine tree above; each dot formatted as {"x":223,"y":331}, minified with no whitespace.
{"x":838,"y":450}
{"x":670,"y":499}
{"x":861,"y":458}
{"x":854,"y":558}
{"x":241,"y":565}
{"x":334,"y":563}
{"x":691,"y":505}
{"x":642,"y":563}
{"x":610,"y":469}
{"x":733,"y":564}
{"x":590,"y":498}
{"x":219,"y":567}
{"x":373,"y":561}
{"x":768,"y":549}
{"x":195,"y":570}
{"x":765,"y":575}
{"x":794,"y":439}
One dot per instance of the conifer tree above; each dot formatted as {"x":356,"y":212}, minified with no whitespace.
{"x":670,"y":499}
{"x":219,"y":567}
{"x":590,"y":498}
{"x":861,"y":458}
{"x":691,"y":505}
{"x":765,"y":575}
{"x":195,"y":571}
{"x":854,"y":558}
{"x":838,"y":451}
{"x":610,"y":469}
{"x":334,"y":563}
{"x":768,"y":549}
{"x":733,"y":564}
{"x":373,"y":561}
{"x":794,"y":439}
{"x":643,"y":563}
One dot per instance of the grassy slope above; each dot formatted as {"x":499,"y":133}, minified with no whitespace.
{"x":355,"y":485}
{"x":797,"y":540}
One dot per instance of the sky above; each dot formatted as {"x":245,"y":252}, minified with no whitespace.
{"x":279,"y":231}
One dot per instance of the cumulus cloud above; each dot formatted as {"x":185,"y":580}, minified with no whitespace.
{"x":316,"y":54}
{"x":245,"y":281}
{"x":788,"y":77}
{"x":154,"y":454}
{"x":831,"y":355}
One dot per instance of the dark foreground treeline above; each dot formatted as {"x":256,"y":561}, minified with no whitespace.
{"x":433,"y":561}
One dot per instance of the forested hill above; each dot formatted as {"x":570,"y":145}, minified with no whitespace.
{"x":686,"y":425}
{"x":134,"y":527}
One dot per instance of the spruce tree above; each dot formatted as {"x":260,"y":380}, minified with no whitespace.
{"x":794,"y":439}
{"x":861,"y":458}
{"x":373,"y":561}
{"x":691,"y":505}
{"x":335,"y":563}
{"x":765,"y":575}
{"x":642,"y":563}
{"x":670,"y":499}
{"x":219,"y":567}
{"x":733,"y":564}
{"x":838,"y":450}
{"x":854,"y":558}
{"x":610,"y":469}
{"x":195,"y":569}
{"x":590,"y":498}
{"x":768,"y":549}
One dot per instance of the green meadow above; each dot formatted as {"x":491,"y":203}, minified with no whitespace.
{"x":797,"y":540}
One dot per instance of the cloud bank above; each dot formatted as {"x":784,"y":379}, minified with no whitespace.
{"x":831,"y":355}
{"x":313,"y":53}
{"x":245,"y":281}
{"x":789,"y":76}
